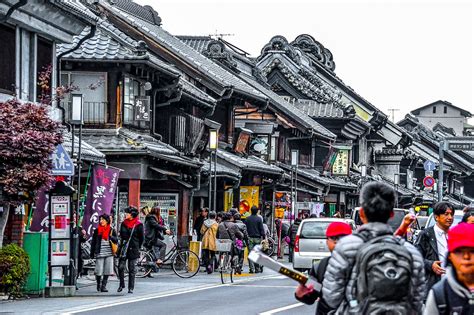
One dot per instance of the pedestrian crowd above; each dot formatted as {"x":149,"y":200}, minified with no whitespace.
{"x":375,"y":271}
{"x":371,"y":271}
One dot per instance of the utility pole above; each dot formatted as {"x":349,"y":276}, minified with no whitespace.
{"x":393,"y":110}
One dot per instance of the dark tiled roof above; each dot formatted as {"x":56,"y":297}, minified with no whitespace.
{"x":193,"y":91}
{"x":203,"y":64}
{"x":146,"y":12}
{"x":290,"y":110}
{"x":200,"y":43}
{"x":314,"y":175}
{"x":77,"y":8}
{"x":123,"y":140}
{"x":315,"y":109}
{"x":251,"y":163}
{"x":221,"y":169}
{"x":88,"y":151}
{"x":109,"y":43}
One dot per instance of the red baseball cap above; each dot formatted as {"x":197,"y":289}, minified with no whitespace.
{"x":338,"y":228}
{"x":462,"y":235}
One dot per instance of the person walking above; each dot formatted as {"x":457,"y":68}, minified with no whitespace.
{"x":468,"y":217}
{"x":348,"y":285}
{"x":209,"y":235}
{"x":256,"y":233}
{"x":245,"y":242}
{"x":432,"y":243}
{"x":132,"y":238}
{"x":454,"y":294}
{"x":293,"y":230}
{"x":199,"y":222}
{"x":154,"y":235}
{"x":307,"y":294}
{"x":101,"y":250}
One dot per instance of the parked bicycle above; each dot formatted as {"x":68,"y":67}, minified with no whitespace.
{"x":185,"y":263}
{"x":227,"y":262}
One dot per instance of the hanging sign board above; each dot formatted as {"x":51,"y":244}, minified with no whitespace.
{"x":341,"y":164}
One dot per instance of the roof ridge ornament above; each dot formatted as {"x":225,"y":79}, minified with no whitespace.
{"x":315,"y":50}
{"x":216,"y":50}
{"x":279,"y":43}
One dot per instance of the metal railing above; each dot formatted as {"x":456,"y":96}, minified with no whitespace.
{"x":94,"y":113}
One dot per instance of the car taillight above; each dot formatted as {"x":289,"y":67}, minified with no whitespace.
{"x":297,"y":243}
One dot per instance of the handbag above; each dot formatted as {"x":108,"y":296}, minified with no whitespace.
{"x":113,"y":245}
{"x":124,"y":248}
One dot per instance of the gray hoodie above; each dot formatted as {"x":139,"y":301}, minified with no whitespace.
{"x":431,"y":307}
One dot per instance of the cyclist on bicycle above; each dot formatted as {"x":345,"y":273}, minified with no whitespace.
{"x":228,"y":230}
{"x":240,"y":252}
{"x":153,"y":234}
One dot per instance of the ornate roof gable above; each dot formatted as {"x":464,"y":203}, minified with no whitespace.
{"x":315,"y":51}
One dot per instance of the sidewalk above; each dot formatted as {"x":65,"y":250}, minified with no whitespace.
{"x":163,"y":282}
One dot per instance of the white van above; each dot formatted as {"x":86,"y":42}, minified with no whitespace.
{"x":310,"y":241}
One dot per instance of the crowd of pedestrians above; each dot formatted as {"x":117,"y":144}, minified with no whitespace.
{"x":375,"y":271}
{"x":371,"y":271}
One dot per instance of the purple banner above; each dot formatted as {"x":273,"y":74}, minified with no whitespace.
{"x":100,"y":196}
{"x":40,"y":222}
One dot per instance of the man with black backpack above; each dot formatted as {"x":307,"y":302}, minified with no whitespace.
{"x":454,"y":294}
{"x":372,"y":271}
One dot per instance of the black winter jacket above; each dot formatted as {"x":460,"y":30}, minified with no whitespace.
{"x":153,"y":230}
{"x":254,"y":225}
{"x":95,"y":243}
{"x":426,"y":244}
{"x":293,"y":230}
{"x":136,"y":242}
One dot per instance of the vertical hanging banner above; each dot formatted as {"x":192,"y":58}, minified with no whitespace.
{"x":40,"y":222}
{"x":100,"y":196}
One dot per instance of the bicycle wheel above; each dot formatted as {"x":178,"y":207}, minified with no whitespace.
{"x":186,"y":264}
{"x":145,"y":264}
{"x":225,"y":268}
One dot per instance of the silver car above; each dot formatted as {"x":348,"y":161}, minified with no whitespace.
{"x":310,"y":241}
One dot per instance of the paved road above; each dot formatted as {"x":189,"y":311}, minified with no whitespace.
{"x":270,"y":295}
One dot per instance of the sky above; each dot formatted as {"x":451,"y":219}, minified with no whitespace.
{"x":400,"y":54}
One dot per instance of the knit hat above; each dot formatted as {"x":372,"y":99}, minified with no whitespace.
{"x":460,"y":236}
{"x":338,"y":228}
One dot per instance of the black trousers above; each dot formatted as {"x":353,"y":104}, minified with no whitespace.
{"x":208,"y":257}
{"x":132,"y":271}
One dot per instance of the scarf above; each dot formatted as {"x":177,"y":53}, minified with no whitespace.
{"x":104,"y":231}
{"x":131,"y":223}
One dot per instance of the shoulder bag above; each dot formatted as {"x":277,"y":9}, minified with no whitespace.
{"x":124,"y":249}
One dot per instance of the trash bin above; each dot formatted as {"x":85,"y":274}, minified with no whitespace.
{"x":36,"y":246}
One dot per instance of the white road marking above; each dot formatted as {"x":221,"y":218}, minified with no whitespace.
{"x":281,"y":309}
{"x":130,"y":299}
{"x":266,"y":286}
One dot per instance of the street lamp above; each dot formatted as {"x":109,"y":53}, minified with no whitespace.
{"x":77,"y":118}
{"x":213,"y":145}
{"x":294,"y":191}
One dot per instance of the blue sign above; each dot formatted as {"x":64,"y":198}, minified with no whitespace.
{"x":429,"y":166}
{"x":62,"y":163}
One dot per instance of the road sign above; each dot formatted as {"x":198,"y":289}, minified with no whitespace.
{"x":429,"y":181}
{"x":429,"y":173}
{"x":62,"y":163}
{"x":429,"y":166}
{"x":461,"y":146}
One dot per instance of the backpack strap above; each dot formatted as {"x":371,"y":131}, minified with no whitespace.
{"x":440,"y":293}
{"x":322,"y":266}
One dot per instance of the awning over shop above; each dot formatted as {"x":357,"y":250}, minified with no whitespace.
{"x":221,"y":170}
{"x":314,"y":175}
{"x":250,"y":163}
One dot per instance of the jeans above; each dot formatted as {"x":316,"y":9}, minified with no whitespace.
{"x":159,"y":249}
{"x":254,"y":241}
{"x":132,"y":271}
